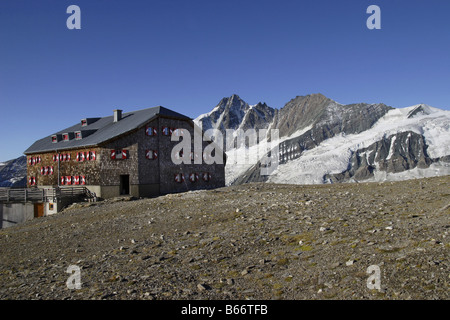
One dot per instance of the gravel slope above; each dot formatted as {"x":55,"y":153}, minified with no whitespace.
{"x":254,"y":241}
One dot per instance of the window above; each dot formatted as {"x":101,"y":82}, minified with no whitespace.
{"x":151,"y":154}
{"x":66,"y":137}
{"x":81,"y":156}
{"x":34,"y":160}
{"x":78,"y":135}
{"x":179,"y":155}
{"x":119,"y":154}
{"x":91,"y":156}
{"x":32,"y":181}
{"x":166,"y":131}
{"x":56,"y":138}
{"x":150,"y":131}
{"x":178,"y":132}
{"x":84,"y":122}
{"x":179,"y":177}
{"x":193,"y":177}
{"x":206,"y":176}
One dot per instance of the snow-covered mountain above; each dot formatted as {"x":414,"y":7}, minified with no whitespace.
{"x":13,"y":173}
{"x":322,"y":141}
{"x":234,"y":113}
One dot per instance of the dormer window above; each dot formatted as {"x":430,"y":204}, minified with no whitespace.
{"x":87,"y":121}
{"x":78,"y":135}
{"x":56,"y":138}
{"x":68,"y":136}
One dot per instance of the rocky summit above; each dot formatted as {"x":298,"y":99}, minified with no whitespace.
{"x":253,"y":241}
{"x":323,"y":141}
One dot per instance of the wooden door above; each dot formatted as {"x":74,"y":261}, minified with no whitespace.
{"x":38,"y":210}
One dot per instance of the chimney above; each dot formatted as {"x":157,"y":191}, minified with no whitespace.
{"x":117,"y":115}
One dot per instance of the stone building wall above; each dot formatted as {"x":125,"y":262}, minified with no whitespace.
{"x":168,"y":169}
{"x":147,"y":177}
{"x":66,"y":165}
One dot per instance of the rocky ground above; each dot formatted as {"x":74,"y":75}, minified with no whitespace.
{"x":254,"y":241}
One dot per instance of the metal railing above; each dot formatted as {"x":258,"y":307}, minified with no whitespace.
{"x":42,"y":194}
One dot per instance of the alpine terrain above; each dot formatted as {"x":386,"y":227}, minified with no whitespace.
{"x":13,"y":173}
{"x":323,"y":141}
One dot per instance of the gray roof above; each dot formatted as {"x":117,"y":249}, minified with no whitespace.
{"x":102,"y":130}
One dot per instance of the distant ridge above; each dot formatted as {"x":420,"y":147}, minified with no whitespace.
{"x":322,"y":141}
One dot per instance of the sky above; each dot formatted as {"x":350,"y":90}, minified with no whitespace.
{"x":187,"y":55}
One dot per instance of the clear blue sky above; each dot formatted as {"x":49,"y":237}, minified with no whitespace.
{"x":187,"y":55}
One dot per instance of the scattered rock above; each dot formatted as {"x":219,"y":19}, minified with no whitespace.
{"x":350,"y":262}
{"x":202,"y":287}
{"x":281,"y":248}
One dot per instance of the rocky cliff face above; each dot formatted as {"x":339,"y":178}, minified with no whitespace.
{"x":234,"y":113}
{"x":13,"y":173}
{"x":400,"y":152}
{"x":322,"y":141}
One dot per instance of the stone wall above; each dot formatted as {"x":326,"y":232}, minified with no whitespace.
{"x":168,"y":169}
{"x":72,"y":167}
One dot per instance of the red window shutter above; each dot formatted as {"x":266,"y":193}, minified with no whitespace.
{"x":150,"y":131}
{"x":113,"y":154}
{"x":193,"y":177}
{"x":179,"y":177}
{"x":151,"y":154}
{"x":206,"y":176}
